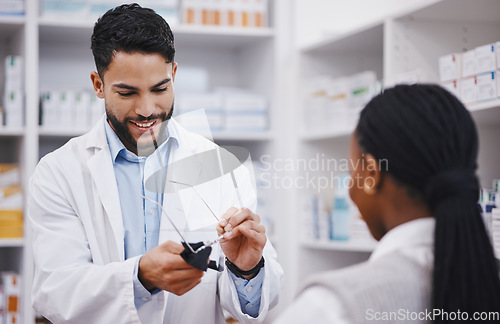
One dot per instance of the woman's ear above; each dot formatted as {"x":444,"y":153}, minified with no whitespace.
{"x":373,"y":175}
{"x":97,"y":84}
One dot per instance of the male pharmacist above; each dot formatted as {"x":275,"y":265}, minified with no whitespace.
{"x":103,"y":253}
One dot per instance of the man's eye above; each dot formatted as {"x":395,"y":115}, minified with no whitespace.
{"x":160,"y":90}
{"x":126,"y":94}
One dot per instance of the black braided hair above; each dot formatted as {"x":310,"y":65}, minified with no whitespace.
{"x":430,"y":142}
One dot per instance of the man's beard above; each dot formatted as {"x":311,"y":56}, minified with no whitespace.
{"x":123,"y":133}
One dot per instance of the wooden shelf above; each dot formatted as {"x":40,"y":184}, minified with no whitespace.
{"x":340,"y":246}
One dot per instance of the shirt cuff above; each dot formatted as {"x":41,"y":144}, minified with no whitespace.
{"x":141,"y":294}
{"x":249,"y":292}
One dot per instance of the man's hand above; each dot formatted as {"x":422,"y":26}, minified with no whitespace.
{"x":244,"y":237}
{"x":163,"y":267}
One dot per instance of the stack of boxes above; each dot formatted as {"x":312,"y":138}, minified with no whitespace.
{"x":92,"y":9}
{"x":332,"y":103}
{"x":10,"y":292}
{"x":227,"y":110}
{"x":11,"y":201}
{"x":237,"y":13}
{"x":69,"y":109}
{"x":11,"y":7}
{"x":13,"y":95}
{"x":472,"y":76}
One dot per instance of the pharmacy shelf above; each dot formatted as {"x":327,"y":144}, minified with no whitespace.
{"x":460,"y":10}
{"x":4,"y":131}
{"x":367,"y":39}
{"x":77,"y":31}
{"x":11,"y":242}
{"x":486,"y":113}
{"x":250,"y":137}
{"x":337,"y":131}
{"x":221,"y":136}
{"x":54,"y":132}
{"x":9,"y":25}
{"x":340,"y":246}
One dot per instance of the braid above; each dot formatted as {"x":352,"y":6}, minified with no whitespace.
{"x":431,"y":144}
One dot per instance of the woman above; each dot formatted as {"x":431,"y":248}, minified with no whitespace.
{"x":414,"y":155}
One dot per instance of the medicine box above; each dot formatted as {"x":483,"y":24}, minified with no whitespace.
{"x":12,"y":7}
{"x":486,"y":86}
{"x":450,"y":67}
{"x":468,"y":90}
{"x":452,"y":87}
{"x":12,"y":292}
{"x":485,"y":58}
{"x":469,"y":63}
{"x":67,"y":9}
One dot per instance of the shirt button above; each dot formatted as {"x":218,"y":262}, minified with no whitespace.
{"x":145,"y":298}
{"x":151,"y":211}
{"x":250,"y":305}
{"x":237,"y":283}
{"x":249,"y":289}
{"x":148,"y":164}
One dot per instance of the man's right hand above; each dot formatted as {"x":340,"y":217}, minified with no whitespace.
{"x":164,"y":268}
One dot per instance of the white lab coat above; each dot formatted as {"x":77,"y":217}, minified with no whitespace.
{"x":78,"y":241}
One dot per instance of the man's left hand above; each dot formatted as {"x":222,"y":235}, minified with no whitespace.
{"x":244,"y":237}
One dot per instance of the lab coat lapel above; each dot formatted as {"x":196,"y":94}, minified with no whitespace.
{"x":103,"y":176}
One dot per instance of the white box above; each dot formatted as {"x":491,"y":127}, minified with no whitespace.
{"x":363,"y":87}
{"x":469,"y":63}
{"x":10,"y":174}
{"x":65,"y":9}
{"x":82,"y":110}
{"x":413,"y":76}
{"x":485,"y":58}
{"x":14,"y":79}
{"x":97,"y":109}
{"x":13,"y":105}
{"x":12,"y":7}
{"x":246,"y":122}
{"x":486,"y":86}
{"x":452,"y":86}
{"x":245,"y":103}
{"x":468,"y":90}
{"x":497,"y":50}
{"x":66,"y":108}
{"x":98,"y":7}
{"x":450,"y":67}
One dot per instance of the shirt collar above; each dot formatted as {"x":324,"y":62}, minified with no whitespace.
{"x":418,"y":232}
{"x":116,"y":146}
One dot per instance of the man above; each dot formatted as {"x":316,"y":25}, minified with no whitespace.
{"x":103,"y":254}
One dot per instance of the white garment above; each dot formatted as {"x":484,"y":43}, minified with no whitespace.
{"x":319,"y":304}
{"x":78,"y":240}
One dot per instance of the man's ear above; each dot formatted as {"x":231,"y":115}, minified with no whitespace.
{"x":373,"y":174}
{"x":97,"y":84}
{"x":174,"y":70}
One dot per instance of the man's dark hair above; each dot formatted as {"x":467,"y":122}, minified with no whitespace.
{"x":131,"y":29}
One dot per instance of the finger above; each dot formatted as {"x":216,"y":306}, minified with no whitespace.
{"x":254,"y":231}
{"x":224,"y":219}
{"x":242,"y":215}
{"x":172,"y":247}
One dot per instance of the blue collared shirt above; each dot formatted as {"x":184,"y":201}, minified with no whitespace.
{"x":131,"y":187}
